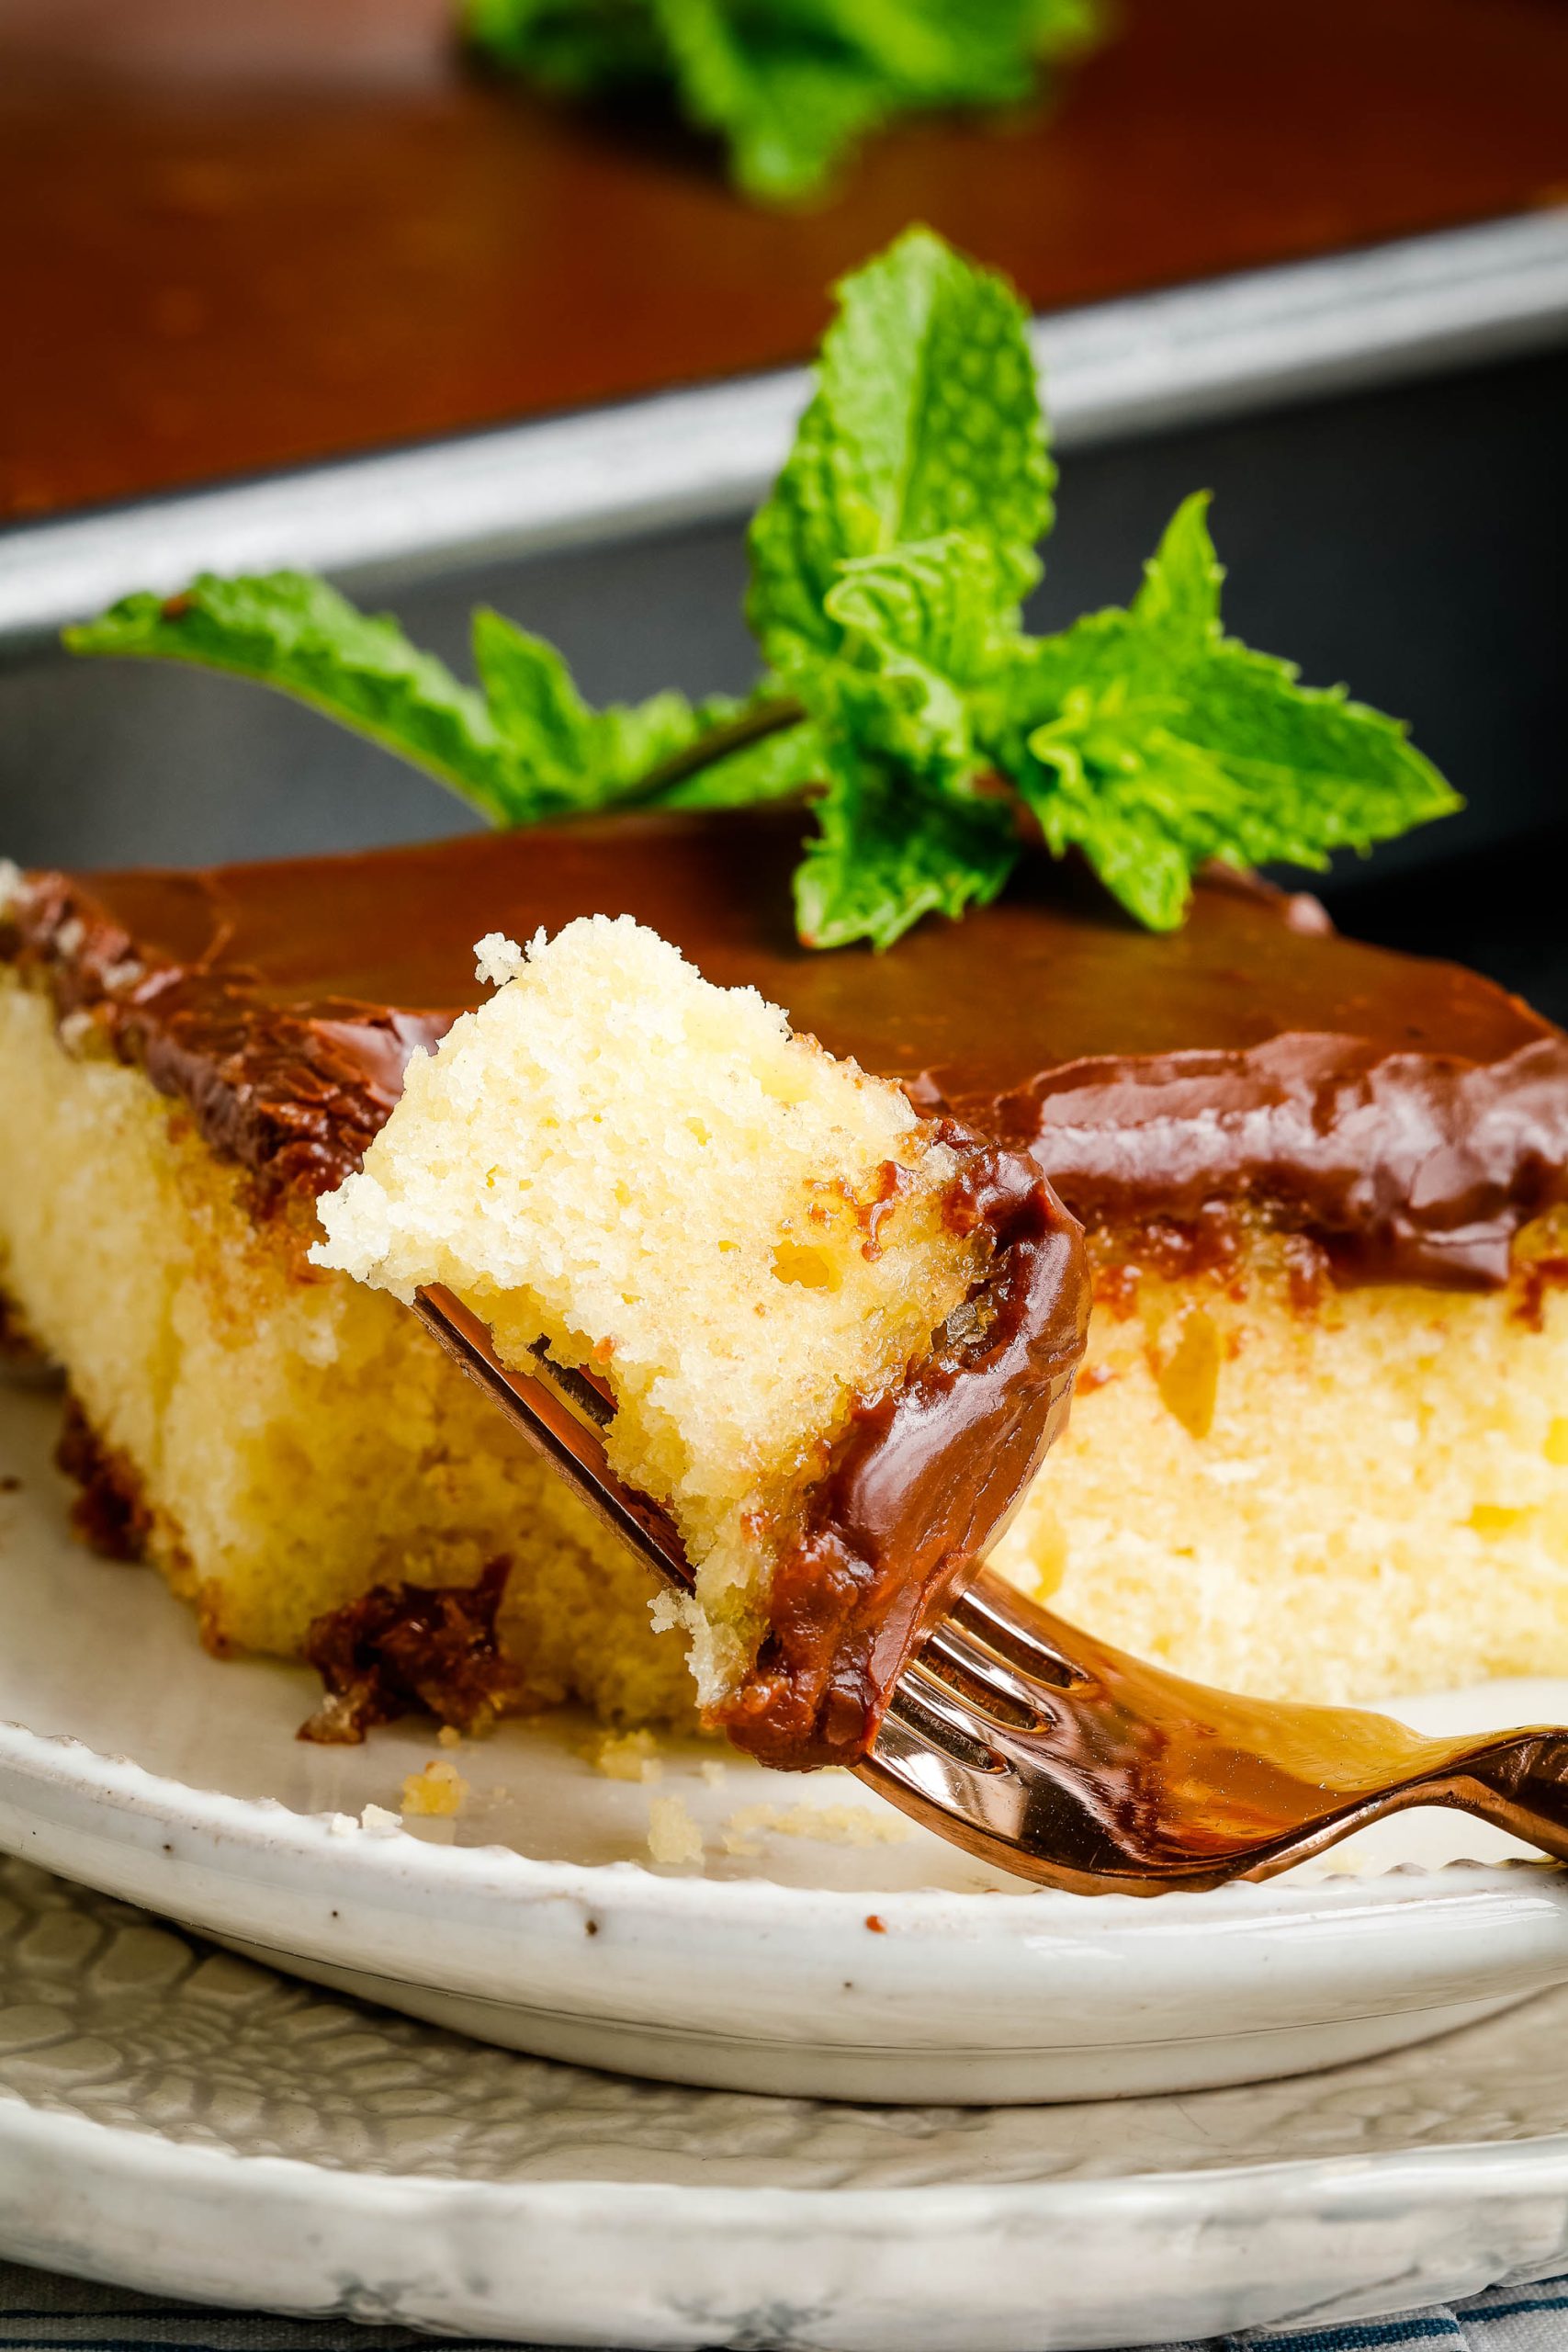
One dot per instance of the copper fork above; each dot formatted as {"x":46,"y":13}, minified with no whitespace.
{"x":1048,"y":1753}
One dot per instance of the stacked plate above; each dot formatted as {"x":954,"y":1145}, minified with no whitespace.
{"x":178,"y":2118}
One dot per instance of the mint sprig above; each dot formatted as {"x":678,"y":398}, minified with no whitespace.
{"x":789,"y":86}
{"x":525,"y":748}
{"x":888,"y":566}
{"x":1151,"y":742}
{"x":925,"y":419}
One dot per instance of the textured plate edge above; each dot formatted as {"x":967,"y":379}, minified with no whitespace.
{"x":515,"y":2252}
{"x":70,"y":1767}
{"x":234,"y":1867}
{"x":1132,"y":366}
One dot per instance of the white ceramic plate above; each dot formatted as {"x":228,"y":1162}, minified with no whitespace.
{"x":178,"y":2120}
{"x":133,"y":1763}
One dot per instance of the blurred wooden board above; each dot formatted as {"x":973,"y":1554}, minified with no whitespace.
{"x":248,"y":235}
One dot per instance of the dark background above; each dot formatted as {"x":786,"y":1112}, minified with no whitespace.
{"x":245,"y":234}
{"x":1409,"y":542}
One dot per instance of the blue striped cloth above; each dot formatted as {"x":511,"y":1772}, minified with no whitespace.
{"x":38,"y":2312}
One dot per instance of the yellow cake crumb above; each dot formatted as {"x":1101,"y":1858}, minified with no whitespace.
{"x":438,"y":1793}
{"x":832,"y":1825}
{"x":626,"y":1755}
{"x":674,"y":1835}
{"x":660,"y":1181}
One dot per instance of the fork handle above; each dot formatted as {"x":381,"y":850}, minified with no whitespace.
{"x":1516,"y":1780}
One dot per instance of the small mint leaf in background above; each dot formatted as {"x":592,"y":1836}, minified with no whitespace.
{"x":926,"y":419}
{"x":571,"y":46}
{"x":889,"y":850}
{"x":787,"y":104}
{"x":985,"y":53}
{"x":290,"y":630}
{"x":789,"y":86}
{"x":1151,"y":742}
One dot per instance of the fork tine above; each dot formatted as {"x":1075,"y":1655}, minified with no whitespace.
{"x":992,"y":1614}
{"x":986,"y":1682}
{"x":927,"y":1715}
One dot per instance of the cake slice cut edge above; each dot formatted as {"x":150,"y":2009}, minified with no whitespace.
{"x":1313,"y":1455}
{"x":839,"y":1337}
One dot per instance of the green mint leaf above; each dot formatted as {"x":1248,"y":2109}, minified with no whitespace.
{"x":1144,"y":806}
{"x":921,"y":629}
{"x":290,"y":631}
{"x":1152,"y":741}
{"x":786,"y":107}
{"x":890,"y":849}
{"x":904,"y":828}
{"x":771,"y":770}
{"x":525,"y":748}
{"x":926,"y":419}
{"x":574,"y":757}
{"x":531,"y":693}
{"x":575,"y":47}
{"x":1182,"y":579}
{"x":788,"y":85}
{"x":946,"y":603}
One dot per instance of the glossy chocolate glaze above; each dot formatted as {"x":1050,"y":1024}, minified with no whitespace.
{"x":922,"y":1481}
{"x":1406,"y":1115}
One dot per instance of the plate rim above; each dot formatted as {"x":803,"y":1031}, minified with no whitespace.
{"x":1057,"y":1998}
{"x":1416,"y":2192}
{"x":64,"y":1764}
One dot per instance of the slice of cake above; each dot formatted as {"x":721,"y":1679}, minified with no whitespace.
{"x":1320,"y":1445}
{"x":838,"y":1337}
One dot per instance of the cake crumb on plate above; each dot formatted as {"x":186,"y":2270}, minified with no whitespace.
{"x":834,"y":1825}
{"x":673,"y":1833}
{"x":436,"y":1792}
{"x":625,"y":1755}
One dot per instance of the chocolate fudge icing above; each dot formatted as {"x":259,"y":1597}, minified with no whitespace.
{"x":922,"y":1480}
{"x":1406,"y":1115}
{"x":403,"y":1647}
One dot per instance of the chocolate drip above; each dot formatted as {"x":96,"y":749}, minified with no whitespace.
{"x":399,"y":1649}
{"x":1406,"y":1115}
{"x":922,"y":1481}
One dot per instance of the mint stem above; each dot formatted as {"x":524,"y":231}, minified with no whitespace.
{"x":763,"y":719}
